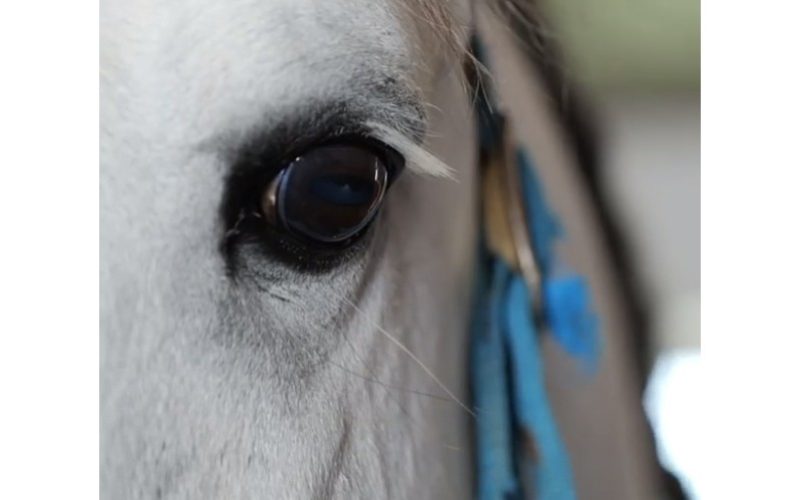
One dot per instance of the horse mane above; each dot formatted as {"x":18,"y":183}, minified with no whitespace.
{"x":535,"y":40}
{"x":578,"y":123}
{"x":544,"y":55}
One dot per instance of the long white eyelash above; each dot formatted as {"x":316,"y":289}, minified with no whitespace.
{"x":417,"y":158}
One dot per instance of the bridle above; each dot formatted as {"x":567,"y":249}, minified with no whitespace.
{"x":523,"y":290}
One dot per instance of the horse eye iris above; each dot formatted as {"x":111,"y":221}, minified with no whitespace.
{"x":329,"y":194}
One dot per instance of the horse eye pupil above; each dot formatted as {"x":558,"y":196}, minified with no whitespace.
{"x":343,"y":190}
{"x":331,"y":193}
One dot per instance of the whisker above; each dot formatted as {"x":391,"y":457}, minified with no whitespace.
{"x":411,"y":355}
{"x":372,"y":378}
{"x":389,"y":386}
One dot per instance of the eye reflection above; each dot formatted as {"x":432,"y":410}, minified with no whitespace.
{"x":327,"y":195}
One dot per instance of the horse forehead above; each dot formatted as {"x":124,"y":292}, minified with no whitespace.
{"x":222,"y":64}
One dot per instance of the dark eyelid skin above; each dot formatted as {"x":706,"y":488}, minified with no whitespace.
{"x":257,"y":159}
{"x":384,"y":100}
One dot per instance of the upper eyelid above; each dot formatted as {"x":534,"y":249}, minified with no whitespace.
{"x":273,"y":149}
{"x":364,"y":101}
{"x":283,"y":140}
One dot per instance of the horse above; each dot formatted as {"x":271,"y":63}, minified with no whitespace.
{"x":266,"y":333}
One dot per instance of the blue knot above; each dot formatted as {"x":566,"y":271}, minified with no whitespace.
{"x":572,"y":318}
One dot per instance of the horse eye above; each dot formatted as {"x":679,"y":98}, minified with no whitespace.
{"x":327,"y":195}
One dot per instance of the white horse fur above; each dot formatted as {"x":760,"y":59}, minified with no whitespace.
{"x":277,"y":383}
{"x":280,"y":384}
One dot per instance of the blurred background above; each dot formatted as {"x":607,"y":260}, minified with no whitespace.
{"x":638,"y":61}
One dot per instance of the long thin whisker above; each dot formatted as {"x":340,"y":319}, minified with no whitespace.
{"x":373,"y":378}
{"x":389,"y":386}
{"x":389,"y":389}
{"x":411,"y":355}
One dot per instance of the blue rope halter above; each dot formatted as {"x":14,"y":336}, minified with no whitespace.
{"x":522,"y":289}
